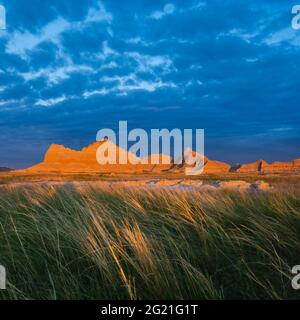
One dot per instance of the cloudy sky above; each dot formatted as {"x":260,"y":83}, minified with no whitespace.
{"x":69,"y":68}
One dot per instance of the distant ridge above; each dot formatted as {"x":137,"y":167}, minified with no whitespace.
{"x":262,"y":166}
{"x":4,"y":169}
{"x":60,"y":159}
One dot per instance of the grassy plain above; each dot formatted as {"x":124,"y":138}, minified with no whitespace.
{"x":89,"y":242}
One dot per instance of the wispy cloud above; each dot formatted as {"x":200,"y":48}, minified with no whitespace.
{"x":109,"y":65}
{"x":55,"y":75}
{"x":149,"y":86}
{"x":122,"y":85}
{"x":21,"y":42}
{"x":163,"y":109}
{"x":198,"y":6}
{"x":59,"y":72}
{"x":50,"y":102}
{"x":148,"y":63}
{"x":107,"y":52}
{"x":101,"y":92}
{"x":170,"y":9}
{"x":287,"y":35}
{"x":98,"y":14}
{"x":167,"y":10}
{"x":8,"y":102}
{"x":242,"y":34}
{"x":3,"y":88}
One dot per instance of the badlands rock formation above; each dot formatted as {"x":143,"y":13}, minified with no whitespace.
{"x":281,"y":167}
{"x":64,"y":160}
{"x":60,"y":159}
{"x":263,"y":167}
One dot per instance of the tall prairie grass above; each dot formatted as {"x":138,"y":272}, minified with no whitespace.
{"x":92,"y":243}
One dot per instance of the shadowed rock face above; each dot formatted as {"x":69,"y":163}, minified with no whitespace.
{"x":254,"y":167}
{"x":210,"y":166}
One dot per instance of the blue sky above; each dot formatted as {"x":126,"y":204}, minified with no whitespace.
{"x":69,"y":68}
